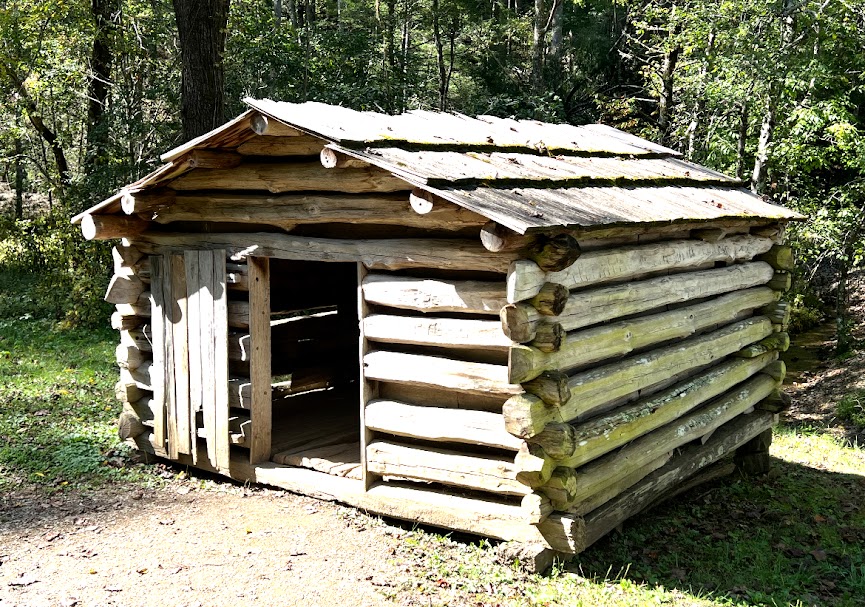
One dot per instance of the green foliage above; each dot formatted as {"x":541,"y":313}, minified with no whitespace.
{"x":58,"y":415}
{"x":852,"y":408}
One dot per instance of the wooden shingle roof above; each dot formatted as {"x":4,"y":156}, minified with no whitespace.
{"x":523,"y":174}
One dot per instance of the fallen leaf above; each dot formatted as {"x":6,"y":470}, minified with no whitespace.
{"x":141,"y":571}
{"x":442,"y":583}
{"x":819,"y":518}
{"x":819,"y":555}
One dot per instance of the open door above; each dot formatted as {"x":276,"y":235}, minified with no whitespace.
{"x":189,"y":315}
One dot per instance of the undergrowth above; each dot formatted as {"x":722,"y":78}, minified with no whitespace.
{"x":852,"y":408}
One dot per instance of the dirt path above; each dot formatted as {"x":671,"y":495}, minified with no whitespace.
{"x":182,"y":546}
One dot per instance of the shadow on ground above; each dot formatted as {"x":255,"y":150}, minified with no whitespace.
{"x":797,"y":535}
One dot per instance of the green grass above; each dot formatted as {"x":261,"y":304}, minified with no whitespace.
{"x":57,"y":410}
{"x":852,"y":408}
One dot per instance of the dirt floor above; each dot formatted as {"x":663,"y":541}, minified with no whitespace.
{"x":181,"y":545}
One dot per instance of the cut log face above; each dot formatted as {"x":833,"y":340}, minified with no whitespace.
{"x":525,"y":278}
{"x":107,"y":227}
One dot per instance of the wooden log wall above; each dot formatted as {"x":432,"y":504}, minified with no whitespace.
{"x":649,"y":351}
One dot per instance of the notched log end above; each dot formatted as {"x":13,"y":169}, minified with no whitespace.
{"x":534,"y":467}
{"x":517,"y":324}
{"x":551,"y":299}
{"x":550,"y":386}
{"x":553,"y":253}
{"x":549,"y":337}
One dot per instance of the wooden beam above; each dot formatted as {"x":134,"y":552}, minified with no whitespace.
{"x":442,"y":332}
{"x":581,"y":348}
{"x":385,"y":254}
{"x":586,"y":441}
{"x":496,"y":238}
{"x":439,"y":424}
{"x":525,"y":278}
{"x":527,"y":416}
{"x":331,"y":159}
{"x":301,"y":145}
{"x":302,"y":380}
{"x":160,"y":396}
{"x":415,"y":369}
{"x":260,"y":358}
{"x":430,"y":295}
{"x":151,"y":201}
{"x":180,"y":337}
{"x":296,"y":177}
{"x":369,"y":390}
{"x":780,"y":257}
{"x":495,"y":474}
{"x":196,"y":343}
{"x":288,"y":210}
{"x":585,"y":308}
{"x":219,"y":334}
{"x":124,"y":288}
{"x":106,"y":227}
{"x":266,"y":126}
{"x":214,"y":159}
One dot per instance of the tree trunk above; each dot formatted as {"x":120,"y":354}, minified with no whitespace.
{"x":103,"y":12}
{"x":277,"y":11}
{"x":694,"y":129}
{"x":665,"y":103}
{"x":557,"y":25}
{"x":202,"y":28}
{"x":538,"y":44}
{"x":19,"y":180}
{"x":761,"y":161}
{"x":440,"y":55}
{"x":744,"y":111}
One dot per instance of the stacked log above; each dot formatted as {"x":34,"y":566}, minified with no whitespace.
{"x":651,"y":351}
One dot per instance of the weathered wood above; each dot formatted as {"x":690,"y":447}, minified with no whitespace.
{"x":125,"y":258}
{"x":301,"y":145}
{"x":550,"y":301}
{"x":124,"y":288}
{"x":709,"y":234}
{"x":537,"y":507}
{"x":610,"y":265}
{"x":549,"y":336}
{"x":439,"y":424}
{"x":106,"y":227}
{"x":219,"y":376}
{"x":776,"y":370}
{"x":266,"y":126}
{"x":129,"y":357}
{"x":483,"y":473}
{"x":599,"y":474}
{"x":129,"y":426}
{"x":528,"y":557}
{"x":129,"y":391}
{"x":302,"y":380}
{"x":121,"y":322}
{"x":135,"y":203}
{"x":166,"y":374}
{"x":776,"y":402}
{"x":185,"y":418}
{"x":693,"y":458}
{"x":550,"y":386}
{"x":213,"y":159}
{"x":139,"y":339}
{"x":414,"y":369}
{"x":778,"y":312}
{"x":444,"y":332}
{"x":289,"y":210}
{"x":386,"y":254}
{"x":260,"y":360}
{"x":526,"y":415}
{"x":553,"y":253}
{"x":617,"y":488}
{"x":779,"y":342}
{"x":589,"y":440}
{"x":238,"y":312}
{"x":533,"y":466}
{"x":331,"y":159}
{"x":759,"y":444}
{"x":781,"y":281}
{"x":497,"y":238}
{"x":297,"y":177}
{"x":780,"y":257}
{"x":581,"y":348}
{"x":428,"y":295}
{"x":195,"y":338}
{"x":585,"y":308}
{"x":160,"y":397}
{"x":369,"y":390}
{"x":437,"y":396}
{"x":421,"y":201}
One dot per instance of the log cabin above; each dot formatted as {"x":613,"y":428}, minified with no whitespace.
{"x":521,"y":330}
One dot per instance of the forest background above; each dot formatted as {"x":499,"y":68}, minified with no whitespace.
{"x":92,"y":92}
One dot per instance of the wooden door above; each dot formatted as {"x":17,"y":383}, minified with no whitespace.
{"x":189,"y":312}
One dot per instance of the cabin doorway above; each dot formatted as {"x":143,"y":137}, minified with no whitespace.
{"x":314,"y":366}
